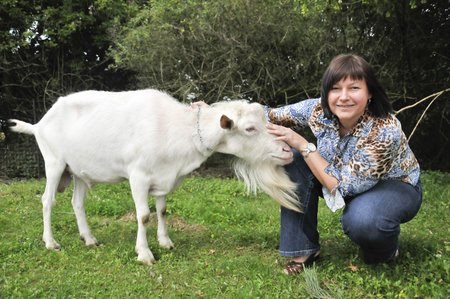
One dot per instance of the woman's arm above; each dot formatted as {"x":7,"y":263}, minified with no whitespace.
{"x":294,"y":115}
{"x":314,"y":160}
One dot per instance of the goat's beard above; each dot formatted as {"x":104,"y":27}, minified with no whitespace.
{"x":271,"y":179}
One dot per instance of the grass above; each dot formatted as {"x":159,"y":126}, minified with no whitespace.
{"x":226,"y":247}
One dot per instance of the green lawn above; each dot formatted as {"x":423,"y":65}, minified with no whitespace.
{"x":225,"y":247}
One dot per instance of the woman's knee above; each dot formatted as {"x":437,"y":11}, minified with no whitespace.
{"x":300,"y":173}
{"x":298,"y":170}
{"x":369,"y":228}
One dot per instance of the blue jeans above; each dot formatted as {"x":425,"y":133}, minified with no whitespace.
{"x":371,"y":219}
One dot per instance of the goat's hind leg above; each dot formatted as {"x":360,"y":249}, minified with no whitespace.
{"x":54,"y":171}
{"x":163,"y":234}
{"x":79,"y":193}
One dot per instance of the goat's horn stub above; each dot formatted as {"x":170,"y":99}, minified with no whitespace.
{"x":226,"y":122}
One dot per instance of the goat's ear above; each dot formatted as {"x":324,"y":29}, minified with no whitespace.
{"x":226,"y":122}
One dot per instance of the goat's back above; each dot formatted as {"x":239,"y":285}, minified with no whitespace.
{"x":103,"y":134}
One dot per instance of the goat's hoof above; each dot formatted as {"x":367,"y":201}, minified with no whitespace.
{"x":90,"y":241}
{"x":166,"y":243}
{"x":146,"y":257}
{"x":52,"y":245}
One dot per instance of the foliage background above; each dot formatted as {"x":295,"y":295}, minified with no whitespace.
{"x":270,"y":51}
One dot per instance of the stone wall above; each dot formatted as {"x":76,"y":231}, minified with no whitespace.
{"x":20,"y":157}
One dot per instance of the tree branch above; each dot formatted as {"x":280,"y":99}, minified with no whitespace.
{"x":435,"y":95}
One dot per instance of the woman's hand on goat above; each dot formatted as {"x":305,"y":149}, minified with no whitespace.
{"x":198,"y":104}
{"x":287,"y":135}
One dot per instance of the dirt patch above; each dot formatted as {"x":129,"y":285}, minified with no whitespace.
{"x":218,"y":165}
{"x":130,"y":216}
{"x":219,"y":172}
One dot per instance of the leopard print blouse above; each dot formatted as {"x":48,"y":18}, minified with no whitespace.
{"x":376,"y":149}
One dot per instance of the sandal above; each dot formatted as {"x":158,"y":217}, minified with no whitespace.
{"x":293,"y":267}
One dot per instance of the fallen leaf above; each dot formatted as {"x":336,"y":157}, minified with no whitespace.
{"x":200,"y":294}
{"x":353,"y":268}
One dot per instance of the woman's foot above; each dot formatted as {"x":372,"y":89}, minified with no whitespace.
{"x":393,"y":257}
{"x":298,"y":264}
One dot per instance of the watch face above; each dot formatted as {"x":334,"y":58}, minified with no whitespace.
{"x":311,"y":147}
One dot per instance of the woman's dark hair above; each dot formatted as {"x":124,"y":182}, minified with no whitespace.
{"x":357,"y":68}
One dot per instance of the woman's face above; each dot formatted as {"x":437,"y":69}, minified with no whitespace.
{"x":348,"y":99}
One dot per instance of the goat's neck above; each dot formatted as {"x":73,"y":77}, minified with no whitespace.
{"x":206,"y":134}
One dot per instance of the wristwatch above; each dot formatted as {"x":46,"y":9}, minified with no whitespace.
{"x":310,"y":148}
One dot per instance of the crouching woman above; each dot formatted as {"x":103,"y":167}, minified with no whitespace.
{"x":362,"y":163}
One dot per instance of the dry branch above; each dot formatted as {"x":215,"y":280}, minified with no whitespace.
{"x":434,"y":96}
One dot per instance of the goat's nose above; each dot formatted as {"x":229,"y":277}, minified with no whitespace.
{"x":286,"y":148}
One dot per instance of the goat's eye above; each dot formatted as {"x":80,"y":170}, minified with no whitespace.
{"x":250,"y":129}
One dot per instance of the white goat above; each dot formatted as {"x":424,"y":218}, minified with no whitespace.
{"x":152,"y":140}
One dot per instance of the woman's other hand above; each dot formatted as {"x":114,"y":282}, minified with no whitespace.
{"x":198,"y":104}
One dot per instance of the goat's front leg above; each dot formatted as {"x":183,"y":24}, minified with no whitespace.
{"x":163,"y":234}
{"x":139,"y":190}
{"x":79,"y":193}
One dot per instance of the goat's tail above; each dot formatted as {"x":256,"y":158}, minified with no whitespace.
{"x":272,"y":180}
{"x":19,"y":126}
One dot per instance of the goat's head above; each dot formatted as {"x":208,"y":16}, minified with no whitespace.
{"x":246,"y":136}
{"x":261,"y":157}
